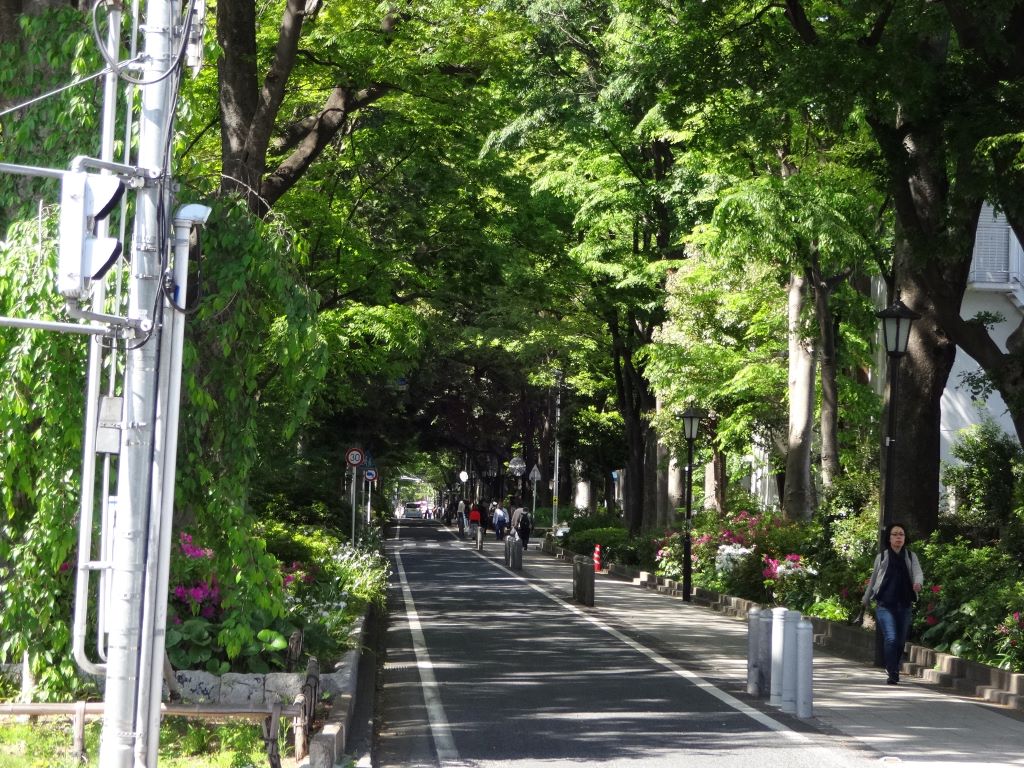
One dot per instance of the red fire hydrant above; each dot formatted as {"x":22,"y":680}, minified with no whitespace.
{"x":597,"y":558}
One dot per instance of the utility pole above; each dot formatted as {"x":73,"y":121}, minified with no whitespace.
{"x":126,"y":703}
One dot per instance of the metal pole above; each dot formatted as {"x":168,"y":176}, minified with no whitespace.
{"x":889,"y":488}
{"x":135,"y":468}
{"x":554,"y":477}
{"x":353,"y":487}
{"x":185,"y":219}
{"x":687,"y":537}
{"x":94,"y":382}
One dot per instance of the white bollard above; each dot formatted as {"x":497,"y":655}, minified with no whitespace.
{"x":778,"y":620}
{"x":753,"y":651}
{"x":805,"y":669}
{"x":789,"y":661}
{"x":765,"y":649}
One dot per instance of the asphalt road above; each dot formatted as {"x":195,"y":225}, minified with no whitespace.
{"x":488,"y":667}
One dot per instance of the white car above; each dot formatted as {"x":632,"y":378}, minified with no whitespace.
{"x":412,"y":510}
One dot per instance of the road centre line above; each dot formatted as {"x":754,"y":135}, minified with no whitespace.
{"x":440,"y":730}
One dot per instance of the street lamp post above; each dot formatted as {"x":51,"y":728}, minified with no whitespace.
{"x":897,"y":320}
{"x":691,"y":422}
{"x":517,"y":466}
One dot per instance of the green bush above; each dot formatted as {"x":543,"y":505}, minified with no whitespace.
{"x":983,"y":489}
{"x":970,"y":592}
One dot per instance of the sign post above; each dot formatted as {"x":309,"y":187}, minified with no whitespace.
{"x":354,"y":457}
{"x":370,"y":475}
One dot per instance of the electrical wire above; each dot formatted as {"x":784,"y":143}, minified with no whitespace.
{"x":109,"y":68}
{"x":176,"y":61}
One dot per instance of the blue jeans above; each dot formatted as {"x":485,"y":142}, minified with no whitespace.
{"x":894,"y":621}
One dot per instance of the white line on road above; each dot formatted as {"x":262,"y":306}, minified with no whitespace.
{"x":439,"y":727}
{"x":653,"y":655}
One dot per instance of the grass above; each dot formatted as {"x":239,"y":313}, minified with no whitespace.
{"x":184,"y":743}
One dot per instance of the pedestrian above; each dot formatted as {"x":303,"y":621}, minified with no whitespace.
{"x":474,"y":519}
{"x":460,"y":514}
{"x":522,"y":525}
{"x":895,"y":582}
{"x":500,"y":521}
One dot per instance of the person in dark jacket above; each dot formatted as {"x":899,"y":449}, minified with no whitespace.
{"x":895,"y":581}
{"x":522,"y":525}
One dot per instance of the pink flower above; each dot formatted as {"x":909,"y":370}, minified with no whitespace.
{"x":180,"y":592}
{"x":936,"y":588}
{"x":65,"y":566}
{"x":931,"y":621}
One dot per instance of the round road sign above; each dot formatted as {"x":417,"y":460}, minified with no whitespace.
{"x":353,"y":457}
{"x":370,"y":474}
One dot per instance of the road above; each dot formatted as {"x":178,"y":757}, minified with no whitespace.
{"x":489,"y":667}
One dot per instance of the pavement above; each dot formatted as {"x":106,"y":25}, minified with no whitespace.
{"x":912,"y":722}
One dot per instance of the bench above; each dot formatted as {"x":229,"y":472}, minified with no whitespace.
{"x":268,"y":715}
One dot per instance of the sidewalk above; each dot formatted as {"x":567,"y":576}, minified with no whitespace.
{"x":911,"y":723}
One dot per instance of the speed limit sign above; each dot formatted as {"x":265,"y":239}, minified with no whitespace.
{"x":353,"y":457}
{"x":370,"y":474}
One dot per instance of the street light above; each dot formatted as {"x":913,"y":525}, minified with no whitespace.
{"x":691,"y":422}
{"x":517,"y":467}
{"x":464,"y":476}
{"x":896,"y":319}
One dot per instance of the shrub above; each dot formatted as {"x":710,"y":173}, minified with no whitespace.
{"x":969,"y":594}
{"x":982,"y":488}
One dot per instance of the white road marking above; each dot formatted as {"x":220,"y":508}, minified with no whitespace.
{"x":441,"y":731}
{"x":726,"y":698}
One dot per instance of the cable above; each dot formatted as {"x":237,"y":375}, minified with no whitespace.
{"x":109,"y":68}
{"x":175,"y":61}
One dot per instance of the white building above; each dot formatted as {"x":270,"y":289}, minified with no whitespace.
{"x":995,"y":285}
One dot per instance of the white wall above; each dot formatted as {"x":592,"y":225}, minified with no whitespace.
{"x":996,"y":286}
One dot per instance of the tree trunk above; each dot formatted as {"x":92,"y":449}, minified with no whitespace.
{"x":10,"y":32}
{"x":823,"y":288}
{"x":635,"y":400}
{"x":798,"y":502}
{"x":923,"y":373}
{"x":652,"y":475}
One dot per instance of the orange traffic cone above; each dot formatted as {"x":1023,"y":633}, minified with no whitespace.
{"x":597,"y":558}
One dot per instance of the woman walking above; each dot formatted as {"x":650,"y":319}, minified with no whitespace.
{"x":895,"y":582}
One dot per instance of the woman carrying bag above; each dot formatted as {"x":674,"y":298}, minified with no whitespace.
{"x":895,"y":582}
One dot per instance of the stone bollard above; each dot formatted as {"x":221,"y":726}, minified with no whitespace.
{"x":583,"y":580}
{"x":805,"y":669}
{"x":753,"y":651}
{"x":778,"y":620}
{"x":789,"y":668}
{"x":515,"y":558}
{"x":479,"y":538}
{"x":764,"y":647}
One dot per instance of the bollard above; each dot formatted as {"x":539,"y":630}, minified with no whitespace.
{"x":582,"y":580}
{"x":764,"y":647}
{"x":805,"y":669}
{"x":516,"y":554}
{"x":789,"y":670}
{"x":778,"y":618}
{"x":597,"y":558}
{"x":753,"y":651}
{"x":508,"y":551}
{"x":479,"y":538}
